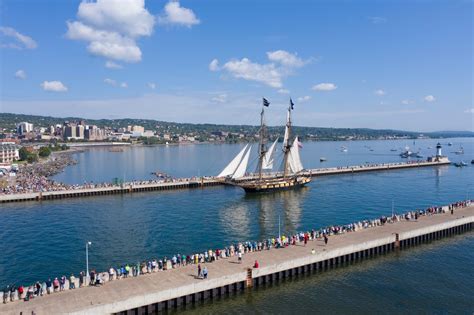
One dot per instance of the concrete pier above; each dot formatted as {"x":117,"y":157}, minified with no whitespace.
{"x":179,"y":287}
{"x":198,"y":182}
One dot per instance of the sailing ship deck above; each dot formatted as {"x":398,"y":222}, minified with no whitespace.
{"x":202,"y":182}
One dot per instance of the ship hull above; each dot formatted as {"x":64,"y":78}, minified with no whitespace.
{"x":275,"y":184}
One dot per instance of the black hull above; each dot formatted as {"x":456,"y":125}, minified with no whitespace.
{"x":277,"y":184}
{"x":254,"y":190}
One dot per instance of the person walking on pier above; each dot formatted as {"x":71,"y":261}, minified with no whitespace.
{"x":199,"y":271}
{"x":6,"y":292}
{"x":49,"y":284}
{"x":325,"y":239}
{"x":239,"y":255}
{"x":204,"y":272}
{"x":72,"y":282}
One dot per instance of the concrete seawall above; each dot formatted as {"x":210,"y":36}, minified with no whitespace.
{"x":197,"y":182}
{"x":174,"y":288}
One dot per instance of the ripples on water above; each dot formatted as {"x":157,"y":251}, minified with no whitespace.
{"x":39,"y":240}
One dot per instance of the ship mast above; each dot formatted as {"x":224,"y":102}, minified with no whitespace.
{"x":286,"y":140}
{"x":262,"y":139}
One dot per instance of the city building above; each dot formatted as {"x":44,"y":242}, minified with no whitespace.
{"x":69,"y":132}
{"x":9,"y":152}
{"x":93,"y":133}
{"x":23,"y":128}
{"x":80,"y":131}
{"x":138,"y":129}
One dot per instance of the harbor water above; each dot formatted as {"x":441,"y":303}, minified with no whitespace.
{"x":41,"y":240}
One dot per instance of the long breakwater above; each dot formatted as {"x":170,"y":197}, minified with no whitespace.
{"x":178,"y":285}
{"x":195,"y":182}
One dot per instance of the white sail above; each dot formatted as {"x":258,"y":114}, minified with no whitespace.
{"x":268,"y":158}
{"x":240,"y":171}
{"x":232,"y":167}
{"x":294,"y":160}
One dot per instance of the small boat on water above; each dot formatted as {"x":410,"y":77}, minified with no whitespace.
{"x":116,"y":149}
{"x":460,"y":151}
{"x":343,"y":149}
{"x":450,"y":143}
{"x":323,"y":159}
{"x":407,"y":153}
{"x":393,"y":150}
{"x":460,"y":164}
{"x":472,"y":161}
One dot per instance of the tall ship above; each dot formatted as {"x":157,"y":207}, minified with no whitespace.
{"x":264,"y":180}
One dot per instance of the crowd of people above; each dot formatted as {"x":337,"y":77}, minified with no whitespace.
{"x":94,"y":278}
{"x":33,"y":178}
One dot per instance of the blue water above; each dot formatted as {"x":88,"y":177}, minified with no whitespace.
{"x":39,"y":240}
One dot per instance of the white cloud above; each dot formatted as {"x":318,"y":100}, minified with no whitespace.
{"x":112,"y":65}
{"x":272,"y":74}
{"x":53,"y":86}
{"x":283,"y":91}
{"x":221,"y":98}
{"x":407,"y":102}
{"x":324,"y":87}
{"x":303,"y":99}
{"x":110,"y":82}
{"x":377,"y":19}
{"x":20,"y":74}
{"x":128,"y":17}
{"x":111,"y":28}
{"x":124,"y":85}
{"x":285,"y":58}
{"x":152,"y":85}
{"x":379,"y":92}
{"x":175,"y":14}
{"x":214,"y":65}
{"x":248,"y":70}
{"x":20,"y":41}
{"x":107,"y":44}
{"x":429,"y":98}
{"x":469,"y":111}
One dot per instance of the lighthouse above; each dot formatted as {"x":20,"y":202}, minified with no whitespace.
{"x":438,"y":150}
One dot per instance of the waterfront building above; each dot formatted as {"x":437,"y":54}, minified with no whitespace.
{"x":138,"y":129}
{"x":9,"y":152}
{"x":93,"y":133}
{"x":23,"y":128}
{"x":148,"y":134}
{"x":80,"y":131}
{"x":69,"y":132}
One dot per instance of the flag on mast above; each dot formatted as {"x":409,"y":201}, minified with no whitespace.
{"x":266,"y":103}
{"x":291,"y":104}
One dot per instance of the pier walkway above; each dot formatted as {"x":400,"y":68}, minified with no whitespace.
{"x":169,"y":289}
{"x":197,"y":182}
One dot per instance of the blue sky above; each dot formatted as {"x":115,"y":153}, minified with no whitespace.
{"x":376,"y":64}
